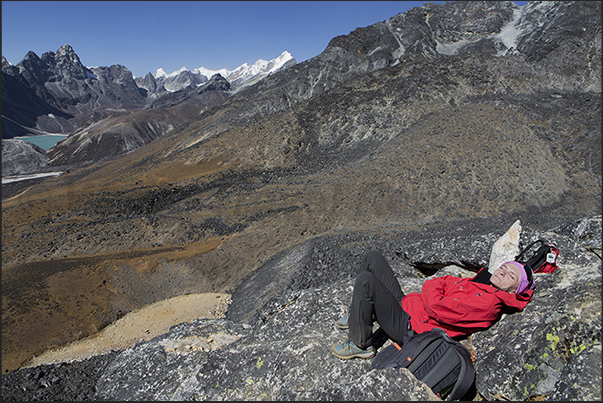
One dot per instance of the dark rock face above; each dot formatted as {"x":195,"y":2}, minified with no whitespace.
{"x":275,"y":342}
{"x":161,"y":85}
{"x":61,"y":82}
{"x":217,"y":83}
{"x":22,"y":157}
{"x":581,"y":371}
{"x":149,"y":84}
{"x":22,"y":107}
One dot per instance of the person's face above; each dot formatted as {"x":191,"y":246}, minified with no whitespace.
{"x":506,"y":277}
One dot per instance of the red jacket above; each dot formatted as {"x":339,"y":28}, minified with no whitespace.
{"x":459,"y":305}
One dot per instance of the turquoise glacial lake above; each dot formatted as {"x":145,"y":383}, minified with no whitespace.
{"x":45,"y":141}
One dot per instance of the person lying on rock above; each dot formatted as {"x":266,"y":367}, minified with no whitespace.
{"x":460,"y":306}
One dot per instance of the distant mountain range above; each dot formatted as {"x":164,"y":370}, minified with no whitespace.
{"x":241,"y":76}
{"x":104,"y":110}
{"x":56,"y":93}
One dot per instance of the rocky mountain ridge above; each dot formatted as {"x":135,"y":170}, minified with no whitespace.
{"x":63,"y":83}
{"x":58,"y":94}
{"x":125,"y":133}
{"x":314,"y":164}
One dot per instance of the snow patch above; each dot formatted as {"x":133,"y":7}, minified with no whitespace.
{"x":450,"y":49}
{"x":510,"y":33}
{"x":398,"y":53}
{"x":508,"y":37}
{"x":375,"y":50}
{"x":11,"y":179}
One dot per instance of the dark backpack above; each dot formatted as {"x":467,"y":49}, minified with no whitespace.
{"x":543,"y":260}
{"x":434,"y":358}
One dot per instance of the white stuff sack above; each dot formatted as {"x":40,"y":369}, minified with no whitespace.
{"x":505,"y":248}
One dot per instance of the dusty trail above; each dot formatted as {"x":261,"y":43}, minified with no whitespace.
{"x":140,"y":325}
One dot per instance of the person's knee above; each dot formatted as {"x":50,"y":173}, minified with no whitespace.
{"x":371,"y":255}
{"x":369,"y":259}
{"x":363,"y":278}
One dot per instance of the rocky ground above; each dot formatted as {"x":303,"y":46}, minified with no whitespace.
{"x":82,"y":361}
{"x":127,"y":238}
{"x":22,"y":157}
{"x":274,"y":343}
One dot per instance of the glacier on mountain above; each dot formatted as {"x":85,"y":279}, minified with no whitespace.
{"x":210,"y":73}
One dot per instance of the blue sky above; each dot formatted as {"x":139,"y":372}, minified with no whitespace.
{"x":147,"y":35}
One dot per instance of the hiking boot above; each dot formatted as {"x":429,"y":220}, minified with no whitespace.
{"x":348,"y":350}
{"x":343,"y":322}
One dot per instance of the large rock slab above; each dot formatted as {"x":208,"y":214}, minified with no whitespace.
{"x":529,"y":354}
{"x":282,"y":350}
{"x":275,"y":342}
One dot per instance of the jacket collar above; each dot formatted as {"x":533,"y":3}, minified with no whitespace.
{"x":512,"y":300}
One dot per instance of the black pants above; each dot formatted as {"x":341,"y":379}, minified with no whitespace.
{"x":377,"y":294}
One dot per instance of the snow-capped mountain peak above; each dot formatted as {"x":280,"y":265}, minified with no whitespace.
{"x":160,"y":73}
{"x":282,"y":60}
{"x":175,"y":73}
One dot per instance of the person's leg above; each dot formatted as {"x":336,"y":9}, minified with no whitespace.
{"x":377,"y":295}
{"x":372,"y":297}
{"x":374,"y":262}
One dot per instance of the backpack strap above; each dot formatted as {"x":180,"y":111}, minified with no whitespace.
{"x":466,"y":377}
{"x":544,"y":259}
{"x":521,"y":254}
